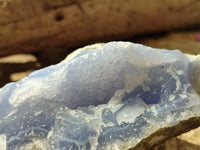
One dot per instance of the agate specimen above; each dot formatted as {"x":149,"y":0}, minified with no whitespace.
{"x":106,"y":96}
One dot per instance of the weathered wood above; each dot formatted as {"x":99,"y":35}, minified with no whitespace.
{"x":27,"y":26}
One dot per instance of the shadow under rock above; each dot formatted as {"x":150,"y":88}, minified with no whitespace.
{"x":8,"y":69}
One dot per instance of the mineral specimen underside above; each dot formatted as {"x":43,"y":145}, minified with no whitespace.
{"x":105,"y":96}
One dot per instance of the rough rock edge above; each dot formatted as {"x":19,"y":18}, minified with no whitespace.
{"x":162,"y":134}
{"x":165,"y":133}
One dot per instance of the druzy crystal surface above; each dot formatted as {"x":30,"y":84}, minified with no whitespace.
{"x":106,"y":96}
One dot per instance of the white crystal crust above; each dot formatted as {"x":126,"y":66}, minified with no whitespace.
{"x":100,"y":97}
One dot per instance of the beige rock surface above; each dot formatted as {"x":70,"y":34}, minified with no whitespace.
{"x":187,"y":141}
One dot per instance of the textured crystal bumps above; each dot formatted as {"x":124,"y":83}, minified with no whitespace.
{"x":102,"y":97}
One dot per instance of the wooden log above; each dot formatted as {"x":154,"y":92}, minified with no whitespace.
{"x":27,"y":26}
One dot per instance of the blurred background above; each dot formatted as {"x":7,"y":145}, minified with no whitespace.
{"x":38,"y":33}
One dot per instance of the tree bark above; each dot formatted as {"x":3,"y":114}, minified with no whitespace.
{"x":27,"y":26}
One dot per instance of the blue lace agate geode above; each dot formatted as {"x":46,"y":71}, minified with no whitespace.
{"x":109,"y":97}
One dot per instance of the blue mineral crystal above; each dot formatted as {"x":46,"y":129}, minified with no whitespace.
{"x":106,"y":96}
